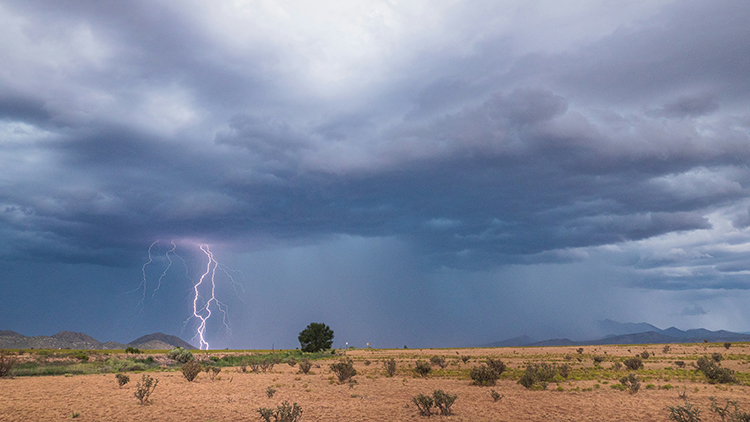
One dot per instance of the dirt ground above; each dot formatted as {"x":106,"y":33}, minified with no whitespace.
{"x":237,"y":396}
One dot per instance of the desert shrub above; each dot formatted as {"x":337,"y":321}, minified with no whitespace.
{"x":82,"y":356}
{"x":714,"y":372}
{"x":212,"y":372}
{"x":304,"y":366}
{"x":270,"y":391}
{"x":439,"y":361}
{"x":645,"y":354}
{"x":727,"y":345}
{"x":537,"y":374}
{"x":599,"y":359}
{"x":443,"y":401}
{"x":180,"y":355}
{"x":679,"y":363}
{"x":684,"y":413}
{"x":144,"y":388}
{"x":291,"y":361}
{"x":579,"y":350}
{"x":132,"y":351}
{"x":343,"y":369}
{"x":667,"y":348}
{"x":716,"y":357}
{"x":254,"y":365}
{"x":495,"y":395}
{"x":7,"y":362}
{"x":616,"y":366}
{"x":633,"y":364}
{"x":730,"y":412}
{"x":242,"y":367}
{"x":266,"y":364}
{"x":191,"y":369}
{"x":483,"y":375}
{"x":390,"y":367}
{"x":564,"y":370}
{"x":122,"y":379}
{"x":424,"y":404}
{"x":367,"y":362}
{"x":283,"y":413}
{"x":683,"y":394}
{"x":631,"y":382}
{"x":422,"y":368}
{"x":465,"y":359}
{"x":497,"y":365}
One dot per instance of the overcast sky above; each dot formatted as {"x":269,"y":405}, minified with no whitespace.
{"x":423,"y":173}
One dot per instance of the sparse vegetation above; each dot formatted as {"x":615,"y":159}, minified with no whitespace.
{"x":122,"y":379}
{"x":465,"y":359}
{"x":497,"y":365}
{"x":212,"y":372}
{"x":422,"y":368}
{"x":180,"y":355}
{"x":424,"y":404}
{"x":439,"y":361}
{"x":483,"y":375}
{"x":714,"y":372}
{"x":7,"y":362}
{"x":716,"y":357}
{"x":284,"y":413}
{"x":537,"y":375}
{"x":645,"y":354}
{"x":304,"y":366}
{"x":631,"y":382}
{"x":727,"y":345}
{"x":684,"y":413}
{"x":443,"y":401}
{"x":344,"y":370}
{"x":495,"y":395}
{"x":730,"y":412}
{"x":679,"y":363}
{"x":599,"y":359}
{"x":132,"y":350}
{"x":144,"y":388}
{"x":633,"y":364}
{"x":270,"y":391}
{"x":390,"y":367}
{"x":191,"y":369}
{"x":666,"y":349}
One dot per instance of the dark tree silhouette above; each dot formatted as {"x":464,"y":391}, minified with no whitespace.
{"x":315,"y":337}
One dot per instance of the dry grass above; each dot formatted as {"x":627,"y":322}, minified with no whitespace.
{"x":376,"y":397}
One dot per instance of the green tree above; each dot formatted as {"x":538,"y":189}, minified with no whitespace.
{"x":315,"y":337}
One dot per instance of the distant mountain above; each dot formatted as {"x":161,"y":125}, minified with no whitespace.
{"x":613,"y":332}
{"x":72,"y":340}
{"x":164,"y":339}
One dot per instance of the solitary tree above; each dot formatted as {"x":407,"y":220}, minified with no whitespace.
{"x":315,"y":337}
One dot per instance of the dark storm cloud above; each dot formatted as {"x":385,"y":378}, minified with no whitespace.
{"x":477,"y":159}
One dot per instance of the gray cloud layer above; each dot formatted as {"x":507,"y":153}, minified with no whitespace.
{"x":477,"y":142}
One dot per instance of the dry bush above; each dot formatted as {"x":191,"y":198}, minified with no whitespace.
{"x":716,"y":357}
{"x":633,"y":364}
{"x":439,"y":361}
{"x":599,"y":359}
{"x":465,"y":359}
{"x":483,"y":375}
{"x":191,"y":370}
{"x":344,"y":370}
{"x":291,"y":361}
{"x":7,"y":362}
{"x":667,"y":348}
{"x":144,"y":388}
{"x":122,"y":379}
{"x":714,"y":372}
{"x":631,"y":382}
{"x":684,"y":413}
{"x":270,"y":391}
{"x":212,"y":372}
{"x":180,"y":355}
{"x":443,"y":401}
{"x":422,"y":368}
{"x":367,"y":362}
{"x":564,"y":370}
{"x":679,"y":363}
{"x":497,"y":365}
{"x":390,"y":367}
{"x":727,"y":345}
{"x":304,"y":366}
{"x":538,"y":374}
{"x":283,"y":413}
{"x":424,"y":404}
{"x":645,"y":354}
{"x":495,"y":395}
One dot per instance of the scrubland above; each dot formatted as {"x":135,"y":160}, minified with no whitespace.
{"x":589,"y":383}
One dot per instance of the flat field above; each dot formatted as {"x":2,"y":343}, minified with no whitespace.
{"x":586,"y":395}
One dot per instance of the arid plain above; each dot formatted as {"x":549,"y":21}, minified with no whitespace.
{"x":586,"y":395}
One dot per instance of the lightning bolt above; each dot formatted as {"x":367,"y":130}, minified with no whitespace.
{"x":202,"y":311}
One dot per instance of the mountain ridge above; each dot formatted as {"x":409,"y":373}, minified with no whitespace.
{"x":73,"y":340}
{"x":613,"y":332}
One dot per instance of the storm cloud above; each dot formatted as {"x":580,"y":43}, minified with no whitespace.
{"x":513,"y":148}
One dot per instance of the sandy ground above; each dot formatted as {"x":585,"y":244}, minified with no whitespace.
{"x":237,"y":396}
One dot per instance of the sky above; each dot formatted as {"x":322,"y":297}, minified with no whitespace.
{"x":411,"y":173}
